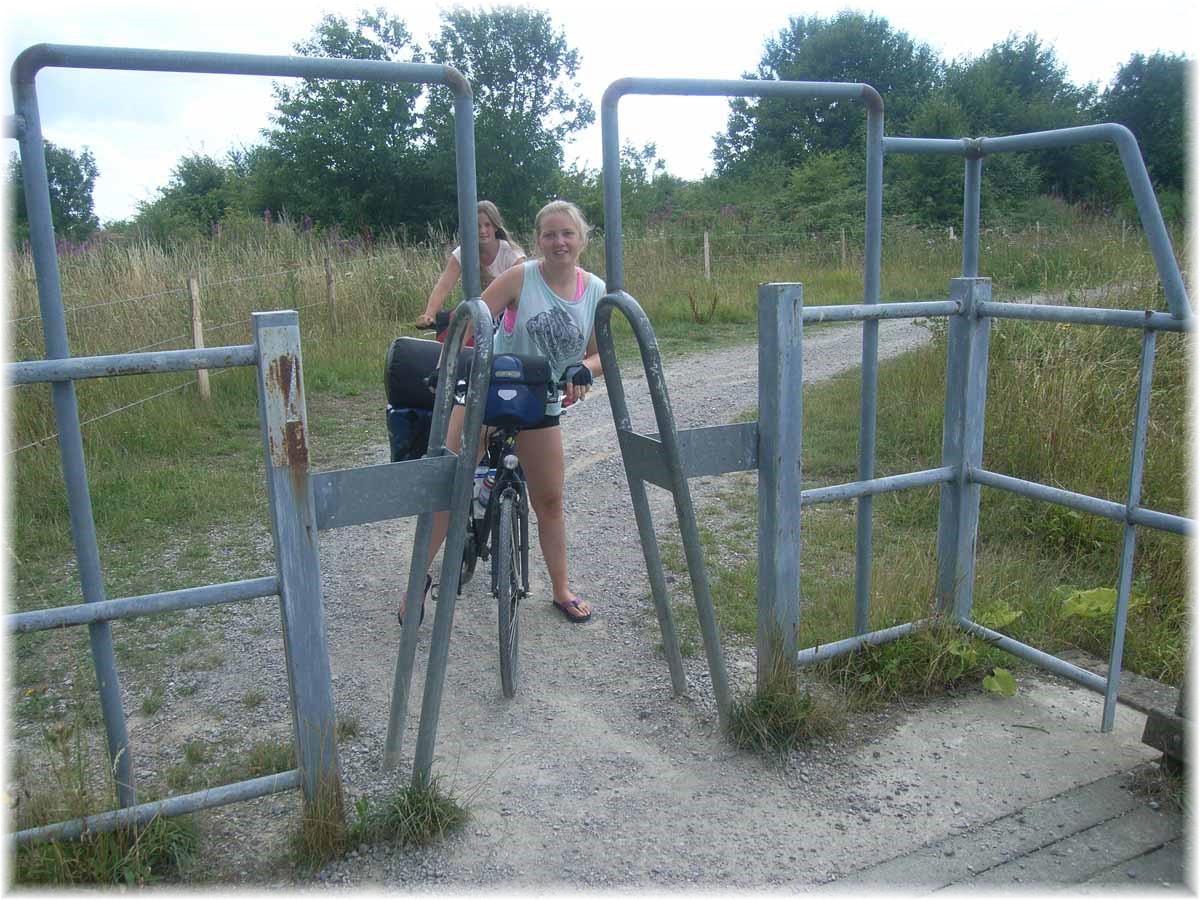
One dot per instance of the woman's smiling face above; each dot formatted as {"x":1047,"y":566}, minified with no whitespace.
{"x":559,"y":238}
{"x":487,"y":230}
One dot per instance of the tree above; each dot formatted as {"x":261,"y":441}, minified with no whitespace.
{"x":850,"y":47}
{"x":197,"y":196}
{"x":72,"y":179}
{"x":1018,"y":85}
{"x":350,"y":148}
{"x":526,"y":102}
{"x":1148,"y":96}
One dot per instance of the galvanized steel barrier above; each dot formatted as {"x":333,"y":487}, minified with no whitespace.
{"x":300,"y":504}
{"x":772,"y":445}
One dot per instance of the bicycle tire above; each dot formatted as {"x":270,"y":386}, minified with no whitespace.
{"x":508,"y":590}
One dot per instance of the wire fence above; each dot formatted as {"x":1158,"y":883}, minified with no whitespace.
{"x":314,"y":283}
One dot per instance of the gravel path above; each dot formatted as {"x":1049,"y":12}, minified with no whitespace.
{"x":595,"y":774}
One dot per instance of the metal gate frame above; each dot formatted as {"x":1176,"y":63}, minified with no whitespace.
{"x":294,"y":514}
{"x":772,"y":445}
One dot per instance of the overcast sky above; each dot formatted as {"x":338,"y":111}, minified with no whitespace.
{"x":138,"y":125}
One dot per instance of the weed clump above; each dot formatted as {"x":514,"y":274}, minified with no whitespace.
{"x":782,"y":715}
{"x":415,"y":816}
{"x":130,"y":856}
{"x":930,"y":660}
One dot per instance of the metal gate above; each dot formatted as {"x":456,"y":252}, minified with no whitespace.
{"x":772,"y":445}
{"x":275,"y":354}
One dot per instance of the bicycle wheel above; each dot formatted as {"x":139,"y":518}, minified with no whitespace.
{"x":508,"y":589}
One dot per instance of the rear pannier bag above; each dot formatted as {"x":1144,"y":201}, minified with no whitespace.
{"x":408,"y":432}
{"x":517,"y":393}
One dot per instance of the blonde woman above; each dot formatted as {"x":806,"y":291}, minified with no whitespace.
{"x":546,"y":307}
{"x":497,"y":253}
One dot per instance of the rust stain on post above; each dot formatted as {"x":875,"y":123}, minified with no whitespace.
{"x":295,"y":445}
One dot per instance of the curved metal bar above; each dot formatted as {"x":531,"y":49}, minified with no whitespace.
{"x":689,"y":533}
{"x":637,"y":492}
{"x":477,"y":313}
{"x":70,"y":433}
{"x":468,"y":313}
{"x":748,"y":87}
{"x":1139,"y":182}
{"x":39,"y":56}
{"x":615,"y":263}
{"x":1135,"y":173}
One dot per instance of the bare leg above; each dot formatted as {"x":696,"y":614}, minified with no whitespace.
{"x":541,"y":454}
{"x":441,"y":520}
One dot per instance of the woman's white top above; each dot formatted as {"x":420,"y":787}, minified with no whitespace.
{"x":506,"y":257}
{"x":545,"y":324}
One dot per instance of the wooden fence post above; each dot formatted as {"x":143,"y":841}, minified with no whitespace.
{"x":193,"y":285}
{"x":843,"y":246}
{"x":331,"y":294}
{"x":707,"y":259}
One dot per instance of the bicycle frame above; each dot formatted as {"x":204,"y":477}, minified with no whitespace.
{"x":502,"y":442}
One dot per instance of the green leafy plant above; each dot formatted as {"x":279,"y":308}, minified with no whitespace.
{"x":1098,"y":604}
{"x":1001,"y":681}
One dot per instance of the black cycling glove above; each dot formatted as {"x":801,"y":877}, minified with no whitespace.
{"x":579,"y":375}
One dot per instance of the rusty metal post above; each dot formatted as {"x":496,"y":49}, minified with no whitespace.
{"x":294,"y":528}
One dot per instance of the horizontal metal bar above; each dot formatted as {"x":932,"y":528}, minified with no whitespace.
{"x":1118,"y":512}
{"x":944,"y":146}
{"x":886,"y":484}
{"x":859,"y":311}
{"x":1086,"y":315}
{"x":387,"y":491}
{"x":1163,"y":521}
{"x":1082,"y":502}
{"x":750,"y":87}
{"x":1039,"y":658}
{"x":849,"y":645}
{"x":712,"y":450}
{"x":143,"y":605}
{"x":84,"y":57}
{"x":153,"y":363}
{"x":172,"y":806}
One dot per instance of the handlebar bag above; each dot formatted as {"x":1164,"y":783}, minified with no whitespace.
{"x":517,"y":393}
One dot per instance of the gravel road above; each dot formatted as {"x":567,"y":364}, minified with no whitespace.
{"x":595,"y":774}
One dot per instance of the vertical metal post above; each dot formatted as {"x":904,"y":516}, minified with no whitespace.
{"x":972,"y":181}
{"x":962,"y":445}
{"x":637,"y":487}
{"x":464,"y":160}
{"x":70,"y":435}
{"x":872,"y":258}
{"x":780,"y":390}
{"x":1134,"y":497}
{"x":294,"y":529}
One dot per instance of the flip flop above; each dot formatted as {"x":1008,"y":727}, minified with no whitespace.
{"x":424,"y":597}
{"x":573,"y":603}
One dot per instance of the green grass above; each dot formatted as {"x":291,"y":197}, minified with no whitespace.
{"x":414,"y":816}
{"x":67,"y":788}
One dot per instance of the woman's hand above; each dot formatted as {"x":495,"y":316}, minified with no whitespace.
{"x":424,"y":320}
